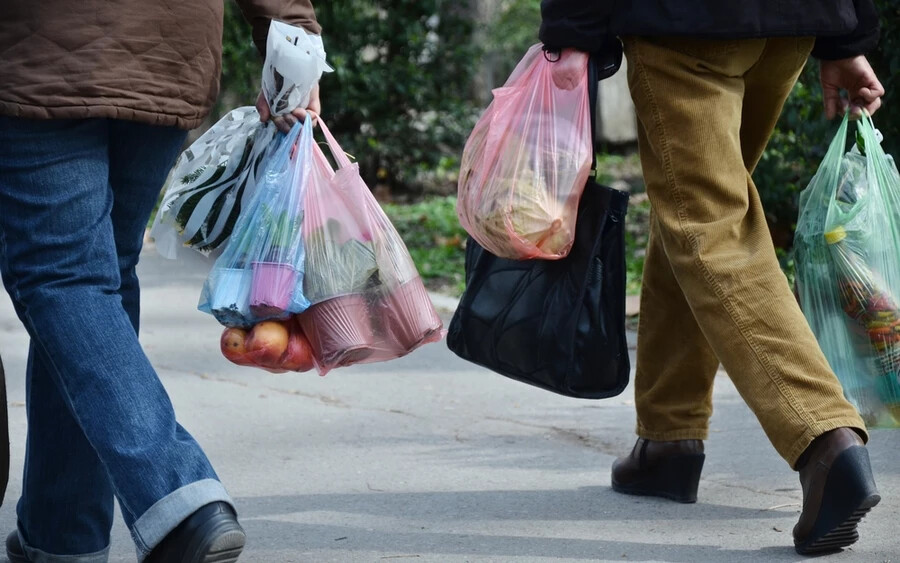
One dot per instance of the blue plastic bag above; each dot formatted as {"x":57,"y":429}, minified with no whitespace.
{"x":259,"y":275}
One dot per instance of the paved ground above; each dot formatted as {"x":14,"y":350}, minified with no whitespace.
{"x":431,"y":459}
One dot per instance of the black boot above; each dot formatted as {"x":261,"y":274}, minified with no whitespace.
{"x":660,"y":469}
{"x":14,"y":551}
{"x":211,"y":534}
{"x":838,"y":490}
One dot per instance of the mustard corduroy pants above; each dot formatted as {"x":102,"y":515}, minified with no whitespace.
{"x":712,"y":290}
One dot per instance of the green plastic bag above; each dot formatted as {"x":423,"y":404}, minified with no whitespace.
{"x":848,"y":270}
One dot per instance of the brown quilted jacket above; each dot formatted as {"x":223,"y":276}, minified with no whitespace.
{"x":156,"y":62}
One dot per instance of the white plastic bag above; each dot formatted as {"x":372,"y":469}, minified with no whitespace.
{"x":295,"y":60}
{"x":210,"y":183}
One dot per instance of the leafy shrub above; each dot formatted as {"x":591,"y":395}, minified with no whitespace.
{"x":435,"y":240}
{"x":400,"y":99}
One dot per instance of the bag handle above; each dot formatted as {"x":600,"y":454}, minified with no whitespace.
{"x":866,"y":127}
{"x":882,"y":165}
{"x":285,"y":151}
{"x":336,"y":151}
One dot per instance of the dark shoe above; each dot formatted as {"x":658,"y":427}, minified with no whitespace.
{"x":660,"y":469}
{"x":838,"y":490}
{"x":14,"y":551}
{"x":209,"y":535}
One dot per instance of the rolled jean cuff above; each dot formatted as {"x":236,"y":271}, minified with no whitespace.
{"x":161,"y":518}
{"x":38,"y":556}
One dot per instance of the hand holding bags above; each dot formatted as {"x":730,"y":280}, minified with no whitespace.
{"x":295,"y":60}
{"x":217,"y":175}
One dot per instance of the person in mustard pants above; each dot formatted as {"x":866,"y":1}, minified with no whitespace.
{"x":709,"y":80}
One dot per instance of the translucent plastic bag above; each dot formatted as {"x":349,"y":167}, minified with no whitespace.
{"x":259,"y":275}
{"x":368,"y":301}
{"x":295,"y":60}
{"x":211,"y":182}
{"x":848,"y":270}
{"x":525,"y":165}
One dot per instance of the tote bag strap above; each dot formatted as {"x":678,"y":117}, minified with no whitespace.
{"x":601,"y":65}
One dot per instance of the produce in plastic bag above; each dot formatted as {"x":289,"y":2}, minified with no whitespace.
{"x":276,"y":346}
{"x":848,"y":270}
{"x":368,"y":301}
{"x":866,"y":299}
{"x":295,"y":60}
{"x":259,"y":275}
{"x":210,"y":184}
{"x":525,"y":165}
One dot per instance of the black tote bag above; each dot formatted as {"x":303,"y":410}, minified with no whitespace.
{"x":555,"y":324}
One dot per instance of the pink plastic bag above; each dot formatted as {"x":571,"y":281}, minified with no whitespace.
{"x":525,"y":165}
{"x":368,"y":301}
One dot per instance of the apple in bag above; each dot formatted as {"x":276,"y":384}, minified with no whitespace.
{"x":267,"y":343}
{"x":233,"y":346}
{"x":299,"y":356}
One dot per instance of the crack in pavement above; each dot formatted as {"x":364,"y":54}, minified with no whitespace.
{"x":750,"y":489}
{"x":585,"y":440}
{"x":568,"y":434}
{"x":324,"y":399}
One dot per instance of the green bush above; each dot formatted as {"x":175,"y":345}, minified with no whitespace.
{"x":400,"y":99}
{"x":510,"y":31}
{"x":886,"y":60}
{"x":637,"y":231}
{"x":241,"y":63}
{"x":435,"y":240}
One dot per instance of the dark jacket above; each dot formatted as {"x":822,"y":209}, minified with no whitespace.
{"x":157,"y":62}
{"x":843,"y":28}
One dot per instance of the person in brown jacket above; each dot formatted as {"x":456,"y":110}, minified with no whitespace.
{"x":95,"y":101}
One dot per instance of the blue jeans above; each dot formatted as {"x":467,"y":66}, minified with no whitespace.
{"x":75,"y":196}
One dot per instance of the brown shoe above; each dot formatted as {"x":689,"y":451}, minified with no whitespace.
{"x":838,"y":490}
{"x":660,"y":469}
